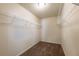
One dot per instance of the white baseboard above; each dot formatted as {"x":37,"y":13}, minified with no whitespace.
{"x":63,"y":49}
{"x":31,"y":45}
{"x":50,"y":42}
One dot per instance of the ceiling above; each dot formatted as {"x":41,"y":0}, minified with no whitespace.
{"x":51,"y":9}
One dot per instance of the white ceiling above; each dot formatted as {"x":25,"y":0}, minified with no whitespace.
{"x":52,"y":9}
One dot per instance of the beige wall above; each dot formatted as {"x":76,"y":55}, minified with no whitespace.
{"x":19,"y":29}
{"x":70,"y":29}
{"x":50,"y":30}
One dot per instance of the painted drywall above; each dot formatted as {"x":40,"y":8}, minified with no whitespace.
{"x":51,"y":31}
{"x":70,"y":29}
{"x":19,"y":29}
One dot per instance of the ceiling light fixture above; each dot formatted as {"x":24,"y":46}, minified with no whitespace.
{"x":41,"y":5}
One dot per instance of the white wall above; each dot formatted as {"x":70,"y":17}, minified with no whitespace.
{"x":19,"y":29}
{"x":51,"y":31}
{"x":70,"y":29}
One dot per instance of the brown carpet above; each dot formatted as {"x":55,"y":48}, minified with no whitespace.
{"x":45,"y":49}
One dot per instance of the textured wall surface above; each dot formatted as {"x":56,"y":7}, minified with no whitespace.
{"x":19,"y":29}
{"x":51,"y":31}
{"x":70,"y":29}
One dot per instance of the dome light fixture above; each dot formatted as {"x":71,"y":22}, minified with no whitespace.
{"x":41,"y":5}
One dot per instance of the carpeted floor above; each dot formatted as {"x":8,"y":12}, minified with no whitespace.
{"x":45,"y":49}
